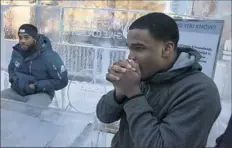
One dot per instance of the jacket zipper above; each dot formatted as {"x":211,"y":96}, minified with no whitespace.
{"x":30,"y":65}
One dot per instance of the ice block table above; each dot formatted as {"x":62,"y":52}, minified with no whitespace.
{"x":24,"y":125}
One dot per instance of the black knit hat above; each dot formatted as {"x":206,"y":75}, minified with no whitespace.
{"x":29,"y":29}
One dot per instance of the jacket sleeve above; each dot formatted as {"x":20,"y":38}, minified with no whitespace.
{"x":58,"y":75}
{"x":108,"y":110}
{"x":187,"y":122}
{"x":11,"y":70}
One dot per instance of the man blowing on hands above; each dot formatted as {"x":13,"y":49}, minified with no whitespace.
{"x":35,"y":70}
{"x":160,"y":94}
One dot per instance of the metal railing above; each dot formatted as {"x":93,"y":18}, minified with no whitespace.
{"x":88,"y":61}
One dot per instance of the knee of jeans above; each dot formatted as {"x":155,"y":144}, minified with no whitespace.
{"x":39,"y":99}
{"x":12,"y":95}
{"x":7,"y":93}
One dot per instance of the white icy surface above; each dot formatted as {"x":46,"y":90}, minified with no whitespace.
{"x":84,"y":97}
{"x":24,"y":125}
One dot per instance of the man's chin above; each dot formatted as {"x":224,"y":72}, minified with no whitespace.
{"x":24,"y":48}
{"x":143,"y":79}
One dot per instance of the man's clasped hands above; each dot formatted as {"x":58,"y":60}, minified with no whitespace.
{"x":125,"y":76}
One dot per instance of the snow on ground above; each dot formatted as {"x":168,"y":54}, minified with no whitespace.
{"x":84,"y":97}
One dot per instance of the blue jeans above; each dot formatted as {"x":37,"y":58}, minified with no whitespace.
{"x":39,"y":99}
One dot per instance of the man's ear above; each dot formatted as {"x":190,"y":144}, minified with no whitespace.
{"x":168,"y":49}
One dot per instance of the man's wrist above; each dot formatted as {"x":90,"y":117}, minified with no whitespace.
{"x":119,"y":98}
{"x":134,"y":92}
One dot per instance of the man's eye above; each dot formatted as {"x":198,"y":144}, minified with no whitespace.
{"x":139,"y":48}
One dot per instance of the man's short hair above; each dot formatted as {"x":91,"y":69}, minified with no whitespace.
{"x":160,"y":26}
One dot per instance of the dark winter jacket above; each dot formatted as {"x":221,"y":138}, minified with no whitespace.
{"x":43,"y":67}
{"x":225,"y":140}
{"x":177,"y":110}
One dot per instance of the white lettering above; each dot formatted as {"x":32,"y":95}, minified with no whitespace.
{"x":108,"y":29}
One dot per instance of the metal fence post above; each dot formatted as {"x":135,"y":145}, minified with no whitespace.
{"x":61,"y":25}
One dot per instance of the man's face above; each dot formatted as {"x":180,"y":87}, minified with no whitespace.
{"x":26,"y":41}
{"x":146,"y":51}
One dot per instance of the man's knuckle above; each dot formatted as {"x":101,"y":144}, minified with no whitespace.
{"x":113,"y":66}
{"x":108,"y":76}
{"x":109,"y":68}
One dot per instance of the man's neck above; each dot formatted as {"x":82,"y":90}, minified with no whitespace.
{"x":172,"y":61}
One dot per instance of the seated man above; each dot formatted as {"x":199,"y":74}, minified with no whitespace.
{"x":160,"y":94}
{"x":35,"y":70}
